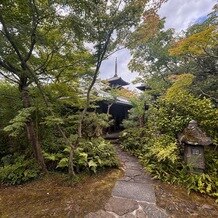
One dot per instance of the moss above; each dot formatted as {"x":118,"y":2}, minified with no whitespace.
{"x":56,"y":196}
{"x":178,"y":203}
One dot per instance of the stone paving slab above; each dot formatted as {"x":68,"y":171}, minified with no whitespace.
{"x":133,"y":195}
{"x":152,"y":211}
{"x":134,"y":190}
{"x":133,"y":173}
{"x":133,"y":166}
{"x":143,"y":179}
{"x":121,"y":206}
{"x":136,"y":214}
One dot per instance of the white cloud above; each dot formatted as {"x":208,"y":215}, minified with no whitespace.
{"x":180,"y":14}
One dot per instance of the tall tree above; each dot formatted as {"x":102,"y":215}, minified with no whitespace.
{"x":37,"y":46}
{"x":107,"y":25}
{"x":150,"y":52}
{"x":199,"y":49}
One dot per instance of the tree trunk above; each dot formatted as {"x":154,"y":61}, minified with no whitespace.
{"x":72,"y":149}
{"x":31,"y":134}
{"x":108,"y":109}
{"x":71,"y":165}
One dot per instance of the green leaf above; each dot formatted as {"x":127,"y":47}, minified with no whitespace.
{"x":64,"y":162}
{"x":92,"y":163}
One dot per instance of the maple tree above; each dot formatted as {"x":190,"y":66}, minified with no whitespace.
{"x":198,"y":44}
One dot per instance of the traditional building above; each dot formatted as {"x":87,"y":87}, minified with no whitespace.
{"x":116,"y":81}
{"x":117,"y":106}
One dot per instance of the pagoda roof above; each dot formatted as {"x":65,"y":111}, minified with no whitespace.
{"x":117,"y":81}
{"x":143,"y":87}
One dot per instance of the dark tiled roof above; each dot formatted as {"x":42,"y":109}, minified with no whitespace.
{"x":143,"y":87}
{"x":117,"y":81}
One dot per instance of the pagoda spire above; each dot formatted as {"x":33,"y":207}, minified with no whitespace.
{"x":116,"y":81}
{"x":116,"y":75}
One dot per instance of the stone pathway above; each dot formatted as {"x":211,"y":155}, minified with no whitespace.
{"x":133,"y":195}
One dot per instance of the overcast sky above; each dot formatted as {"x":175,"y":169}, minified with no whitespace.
{"x":179,"y":14}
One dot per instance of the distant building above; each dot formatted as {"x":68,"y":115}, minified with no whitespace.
{"x":117,"y":107}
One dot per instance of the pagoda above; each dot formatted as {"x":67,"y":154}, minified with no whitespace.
{"x":116,"y":81}
{"x":120,"y":107}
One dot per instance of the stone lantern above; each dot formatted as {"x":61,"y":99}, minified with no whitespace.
{"x":194,"y":141}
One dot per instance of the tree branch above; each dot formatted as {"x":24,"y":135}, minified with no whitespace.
{"x":207,"y":95}
{"x":34,"y":27}
{"x":7,"y":66}
{"x":8,"y":78}
{"x":8,"y":36}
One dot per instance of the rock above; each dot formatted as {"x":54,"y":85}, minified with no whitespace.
{"x":121,"y":206}
{"x":152,"y":211}
{"x":134,"y":190}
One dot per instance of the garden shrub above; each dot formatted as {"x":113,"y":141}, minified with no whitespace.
{"x":158,"y":148}
{"x":94,"y":124}
{"x":18,"y":171}
{"x":95,"y":154}
{"x":91,"y":155}
{"x":133,"y":139}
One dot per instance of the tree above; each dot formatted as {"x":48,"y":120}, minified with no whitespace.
{"x":34,"y":50}
{"x":106,"y":26}
{"x":163,"y":54}
{"x":20,"y":21}
{"x":150,"y":55}
{"x":198,"y":44}
{"x":198,"y":48}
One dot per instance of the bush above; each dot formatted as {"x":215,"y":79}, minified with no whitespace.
{"x":95,"y":154}
{"x":133,"y":139}
{"x":20,"y":171}
{"x":156,"y":144}
{"x":94,"y":124}
{"x":90,"y":155}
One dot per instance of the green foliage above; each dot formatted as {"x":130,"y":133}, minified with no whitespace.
{"x":17,"y":124}
{"x":19,"y":171}
{"x":164,"y":53}
{"x":151,"y":56}
{"x":203,"y":183}
{"x":10,"y":104}
{"x":52,"y":120}
{"x":89,"y":155}
{"x":164,"y":148}
{"x":95,"y":154}
{"x":133,"y":139}
{"x":137,"y":114}
{"x":190,"y":107}
{"x":94,"y":124}
{"x":172,"y":112}
{"x":156,"y":144}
